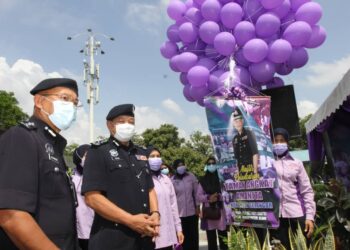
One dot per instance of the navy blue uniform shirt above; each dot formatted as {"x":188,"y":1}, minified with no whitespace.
{"x":33,"y":179}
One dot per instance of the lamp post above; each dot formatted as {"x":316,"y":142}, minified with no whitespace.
{"x":91,"y":72}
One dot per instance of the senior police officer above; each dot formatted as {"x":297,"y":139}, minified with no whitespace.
{"x":245,"y":146}
{"x":117,"y":184}
{"x":37,"y":205}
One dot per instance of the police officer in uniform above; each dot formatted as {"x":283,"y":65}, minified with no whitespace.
{"x":117,"y":184}
{"x":37,"y":202}
{"x":244,"y":144}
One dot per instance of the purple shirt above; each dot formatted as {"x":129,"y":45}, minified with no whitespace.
{"x":186,"y":190}
{"x":85,"y":215}
{"x":220,"y":224}
{"x":170,"y":222}
{"x":297,"y":196}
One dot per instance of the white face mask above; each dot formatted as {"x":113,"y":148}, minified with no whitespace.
{"x":64,"y":114}
{"x":124,"y":132}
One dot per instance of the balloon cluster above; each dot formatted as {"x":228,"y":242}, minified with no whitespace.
{"x":263,"y":37}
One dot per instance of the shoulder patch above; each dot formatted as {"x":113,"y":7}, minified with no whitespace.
{"x":28,"y":125}
{"x":99,"y":143}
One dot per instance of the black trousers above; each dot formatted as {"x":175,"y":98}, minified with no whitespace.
{"x":212,"y":239}
{"x":281,"y":233}
{"x":190,"y":231}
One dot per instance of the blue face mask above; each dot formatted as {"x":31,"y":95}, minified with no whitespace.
{"x":155,"y":163}
{"x":211,"y":168}
{"x":181,"y":170}
{"x":64,"y":114}
{"x":280,"y":148}
{"x":165,"y":171}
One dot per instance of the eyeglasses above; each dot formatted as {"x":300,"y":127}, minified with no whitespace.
{"x":67,"y":98}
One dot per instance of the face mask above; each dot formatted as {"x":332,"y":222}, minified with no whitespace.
{"x":124,"y":132}
{"x":155,"y":163}
{"x":211,"y":168}
{"x":280,"y":148}
{"x":64,"y":114}
{"x":165,"y":171}
{"x":181,"y":170}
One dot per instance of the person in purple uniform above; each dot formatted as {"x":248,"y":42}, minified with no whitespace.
{"x":209,"y":194}
{"x":186,"y":184}
{"x":170,"y":230}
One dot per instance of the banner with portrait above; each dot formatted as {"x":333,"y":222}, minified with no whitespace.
{"x":240,"y":132}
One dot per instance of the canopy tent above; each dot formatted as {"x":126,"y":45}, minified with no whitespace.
{"x":321,"y":129}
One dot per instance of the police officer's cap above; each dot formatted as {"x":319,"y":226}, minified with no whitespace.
{"x":55,"y":82}
{"x":281,"y":131}
{"x":123,"y":109}
{"x":237,"y":114}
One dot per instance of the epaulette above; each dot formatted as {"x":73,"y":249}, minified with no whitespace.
{"x":99,"y":143}
{"x":28,"y":125}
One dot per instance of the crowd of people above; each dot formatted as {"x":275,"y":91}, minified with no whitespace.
{"x":121,"y":196}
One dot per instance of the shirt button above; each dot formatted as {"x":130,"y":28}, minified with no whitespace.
{"x":142,"y":190}
{"x":56,"y":169}
{"x":133,"y":164}
{"x":144,"y":204}
{"x":120,"y":165}
{"x":116,"y":224}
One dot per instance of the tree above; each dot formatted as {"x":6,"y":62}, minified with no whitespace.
{"x":300,"y":142}
{"x":10,"y":113}
{"x":68,"y":154}
{"x":164,"y":137}
{"x":200,"y":143}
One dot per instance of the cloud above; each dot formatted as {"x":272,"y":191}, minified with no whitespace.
{"x":21,"y":77}
{"x":172,"y":106}
{"x":306,"y":107}
{"x":327,"y":73}
{"x":148,"y":117}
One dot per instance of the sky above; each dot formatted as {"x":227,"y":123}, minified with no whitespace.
{"x":33,"y":46}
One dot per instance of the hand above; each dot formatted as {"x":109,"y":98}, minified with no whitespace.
{"x":309,"y":227}
{"x":155,"y":218}
{"x":142,"y":224}
{"x":180,"y":237}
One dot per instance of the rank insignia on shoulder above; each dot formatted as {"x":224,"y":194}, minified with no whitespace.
{"x":28,"y":125}
{"x":99,"y":142}
{"x":141,"y":157}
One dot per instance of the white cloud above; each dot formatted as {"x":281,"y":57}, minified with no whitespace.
{"x":147,"y":117}
{"x":327,"y":73}
{"x":306,"y":107}
{"x":21,"y":77}
{"x":172,"y":106}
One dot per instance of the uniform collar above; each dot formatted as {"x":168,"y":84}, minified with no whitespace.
{"x":114,"y":141}
{"x":49,"y":133}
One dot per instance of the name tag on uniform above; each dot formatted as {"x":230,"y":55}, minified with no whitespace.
{"x":245,"y":137}
{"x":141,"y":157}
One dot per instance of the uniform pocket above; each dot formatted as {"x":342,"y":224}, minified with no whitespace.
{"x":54,"y":180}
{"x":120,"y":170}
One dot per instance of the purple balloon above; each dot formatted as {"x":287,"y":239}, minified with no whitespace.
{"x":309,"y":12}
{"x":187,"y":93}
{"x":194,"y":16}
{"x":197,"y":47}
{"x":253,"y":9}
{"x":211,"y":52}
{"x":188,"y":32}
{"x":297,"y":3}
{"x":176,"y":9}
{"x":298,"y":58}
{"x":278,"y":82}
{"x":226,"y":1}
{"x":231,"y":14}
{"x":318,"y":36}
{"x":173,"y":63}
{"x":214,"y":82}
{"x":284,"y":69}
{"x":282,"y":10}
{"x":186,"y":61}
{"x":270,"y":4}
{"x":206,"y":62}
{"x":198,"y":93}
{"x":267,"y":25}
{"x":298,"y":33}
{"x":244,"y":32}
{"x":199,"y":2}
{"x":240,"y":59}
{"x":263,"y":71}
{"x":208,"y":30}
{"x":255,"y":50}
{"x":173,"y":33}
{"x":225,"y":43}
{"x":169,"y":49}
{"x":210,"y":10}
{"x":243,"y":75}
{"x":279,"y":51}
{"x":198,"y":76}
{"x":183,"y":79}
{"x":287,"y":21}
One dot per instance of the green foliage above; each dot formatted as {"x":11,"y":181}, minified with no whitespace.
{"x":166,"y":136}
{"x":300,"y":142}
{"x":10,"y":113}
{"x":68,"y":155}
{"x":200,"y":143}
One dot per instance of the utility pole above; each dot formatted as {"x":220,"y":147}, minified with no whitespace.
{"x":91,"y":72}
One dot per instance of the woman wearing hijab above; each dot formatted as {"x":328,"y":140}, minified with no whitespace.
{"x":85,"y":215}
{"x":185,"y":184}
{"x":170,"y":230}
{"x":209,"y":194}
{"x":297,"y":204}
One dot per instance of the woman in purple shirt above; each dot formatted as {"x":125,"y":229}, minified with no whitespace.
{"x":297,"y":203}
{"x":185,"y":184}
{"x":170,"y":230}
{"x":209,"y":194}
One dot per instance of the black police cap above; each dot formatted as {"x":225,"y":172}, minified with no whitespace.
{"x":281,"y":131}
{"x":55,"y":82}
{"x":237,"y":114}
{"x":123,"y":109}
